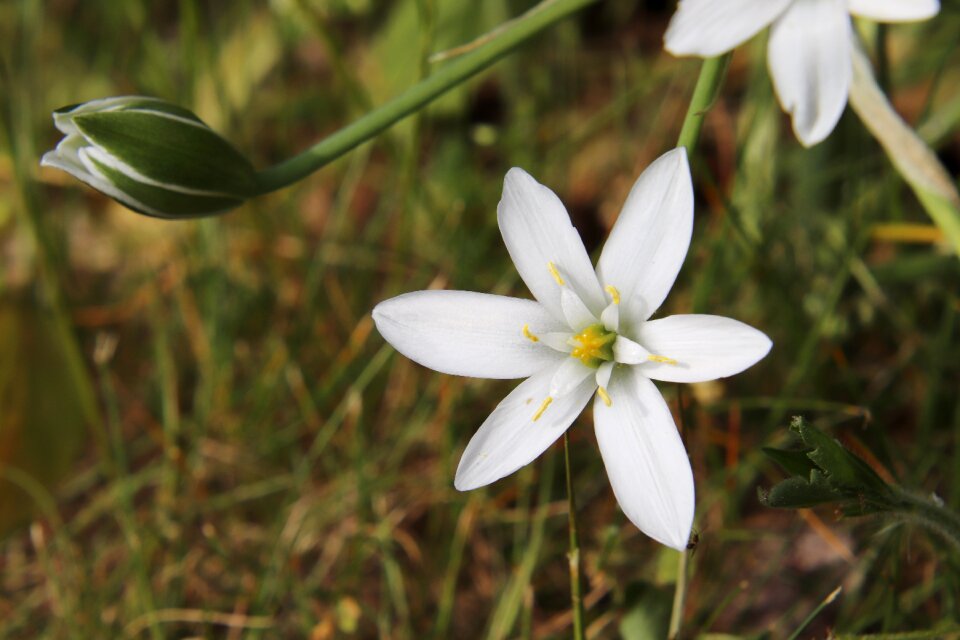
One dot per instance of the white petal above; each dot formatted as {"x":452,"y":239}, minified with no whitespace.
{"x":71,"y":156}
{"x":568,"y":377}
{"x":645,"y":459}
{"x":537,"y":231}
{"x":708,"y":28}
{"x":610,"y":318}
{"x":604,"y":372}
{"x":705,"y":347}
{"x":510,"y":438}
{"x":895,"y":10}
{"x":577,"y":314}
{"x":561,"y":341}
{"x":468,"y":334}
{"x":626,"y":351}
{"x":809,"y":55}
{"x":650,"y":239}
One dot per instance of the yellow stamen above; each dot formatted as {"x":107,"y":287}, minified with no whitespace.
{"x":614,"y":294}
{"x":543,"y":407}
{"x":529,"y":335}
{"x":604,"y":396}
{"x":662,"y":359}
{"x":555,"y":273}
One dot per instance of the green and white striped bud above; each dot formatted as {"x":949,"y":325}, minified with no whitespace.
{"x":151,"y":156}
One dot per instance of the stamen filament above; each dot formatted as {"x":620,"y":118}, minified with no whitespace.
{"x":529,"y":335}
{"x":604,"y":396}
{"x":543,"y":407}
{"x":555,"y":273}
{"x":614,"y":294}
{"x":662,"y":359}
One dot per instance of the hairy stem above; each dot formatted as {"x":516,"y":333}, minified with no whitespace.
{"x":930,"y":512}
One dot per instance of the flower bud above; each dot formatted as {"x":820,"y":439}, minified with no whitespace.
{"x":152,"y":156}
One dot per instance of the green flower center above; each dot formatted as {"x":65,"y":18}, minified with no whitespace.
{"x":593,"y":346}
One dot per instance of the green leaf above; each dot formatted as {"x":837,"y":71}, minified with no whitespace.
{"x":795,"y":463}
{"x":843,"y":468}
{"x":799,"y":493}
{"x":41,"y":411}
{"x":648,"y":612}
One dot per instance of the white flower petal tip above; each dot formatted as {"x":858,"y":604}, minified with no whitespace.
{"x":522,"y":427}
{"x":699,"y":348}
{"x":645,"y":459}
{"x":809,"y":57}
{"x":544,"y":245}
{"x":707,"y":28}
{"x":649,"y":240}
{"x":468,"y":334}
{"x":895,"y":10}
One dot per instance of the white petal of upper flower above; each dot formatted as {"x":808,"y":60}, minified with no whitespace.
{"x":809,"y":55}
{"x":468,"y":334}
{"x":537,"y":231}
{"x":708,"y":28}
{"x":645,"y":458}
{"x":510,"y":438}
{"x":704,"y":347}
{"x":895,"y":10}
{"x":650,"y":239}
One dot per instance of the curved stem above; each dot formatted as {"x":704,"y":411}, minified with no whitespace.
{"x":573,"y":556}
{"x":932,"y":514}
{"x":449,"y":76}
{"x":704,"y":94}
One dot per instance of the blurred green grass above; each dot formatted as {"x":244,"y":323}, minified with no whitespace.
{"x":261,"y":464}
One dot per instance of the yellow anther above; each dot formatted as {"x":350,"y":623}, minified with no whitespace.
{"x":555,"y":273}
{"x":614,"y":294}
{"x":529,"y":335}
{"x":661,"y":359}
{"x":543,"y":407}
{"x":604,"y":396}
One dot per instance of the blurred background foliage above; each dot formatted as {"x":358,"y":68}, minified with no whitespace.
{"x":201,"y":434}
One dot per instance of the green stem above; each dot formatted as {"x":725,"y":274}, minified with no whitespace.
{"x":416,"y":97}
{"x":704,"y":94}
{"x":573,"y":556}
{"x":679,"y":595}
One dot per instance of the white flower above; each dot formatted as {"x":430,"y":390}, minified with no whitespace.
{"x":809,"y":52}
{"x":588,"y":333}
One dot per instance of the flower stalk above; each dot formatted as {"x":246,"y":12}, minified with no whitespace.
{"x":416,"y":97}
{"x":712,"y":73}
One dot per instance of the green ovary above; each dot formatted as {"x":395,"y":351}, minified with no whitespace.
{"x":593,"y":346}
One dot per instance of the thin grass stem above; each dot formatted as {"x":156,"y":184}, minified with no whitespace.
{"x":573,"y":556}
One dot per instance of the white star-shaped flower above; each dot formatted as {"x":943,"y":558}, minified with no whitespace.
{"x":587,"y":334}
{"x":809,"y":52}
